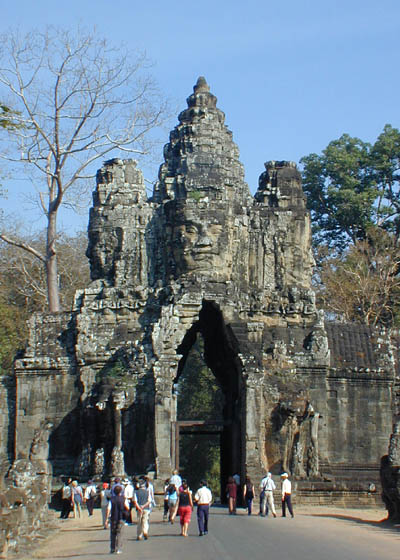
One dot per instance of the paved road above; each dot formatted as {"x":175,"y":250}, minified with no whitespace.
{"x":309,"y":536}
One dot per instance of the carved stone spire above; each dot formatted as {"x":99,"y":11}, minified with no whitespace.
{"x":201,"y":159}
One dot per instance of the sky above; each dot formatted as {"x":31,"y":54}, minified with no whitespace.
{"x":290,"y":75}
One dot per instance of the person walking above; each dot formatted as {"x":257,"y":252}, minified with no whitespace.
{"x":267,"y":488}
{"x":172,"y":501}
{"x":185,"y":507}
{"x":203,"y":499}
{"x":176,"y":480}
{"x":77,"y":498}
{"x":105,"y":503}
{"x":286,"y":495}
{"x":231,"y":492}
{"x":90,"y":496}
{"x":166,"y":496}
{"x":248,"y":495}
{"x":128,"y":495}
{"x":66,"y":499}
{"x":143,"y":503}
{"x":118,"y":509}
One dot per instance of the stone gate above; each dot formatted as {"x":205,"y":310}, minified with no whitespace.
{"x":203,"y":256}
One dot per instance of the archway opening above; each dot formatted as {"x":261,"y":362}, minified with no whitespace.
{"x":210,"y":402}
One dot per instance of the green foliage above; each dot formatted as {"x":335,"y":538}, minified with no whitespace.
{"x":353,"y":187}
{"x":12,"y":334}
{"x":196,"y":195}
{"x":200,"y":398}
{"x":115,"y":373}
{"x":8,"y":118}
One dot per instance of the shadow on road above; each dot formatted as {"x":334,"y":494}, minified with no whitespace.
{"x":383,"y":525}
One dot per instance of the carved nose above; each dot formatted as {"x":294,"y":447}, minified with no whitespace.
{"x":204,"y":241}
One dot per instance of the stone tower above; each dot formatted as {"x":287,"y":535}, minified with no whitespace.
{"x":202,"y":256}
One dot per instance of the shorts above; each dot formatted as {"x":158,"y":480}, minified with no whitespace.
{"x":185,"y":513}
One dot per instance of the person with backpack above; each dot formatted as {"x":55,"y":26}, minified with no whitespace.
{"x":117,"y":519}
{"x":248,"y":495}
{"x":144,"y":503}
{"x":90,"y":496}
{"x":172,"y":493}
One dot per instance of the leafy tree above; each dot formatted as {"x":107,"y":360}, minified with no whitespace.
{"x":353,"y":187}
{"x":200,"y":398}
{"x":12,"y":334}
{"x":77,"y":100}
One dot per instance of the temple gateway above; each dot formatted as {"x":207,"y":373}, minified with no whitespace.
{"x":95,"y":391}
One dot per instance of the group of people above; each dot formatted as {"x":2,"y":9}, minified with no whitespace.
{"x":267,"y":487}
{"x":73,"y":496}
{"x":119,"y":499}
{"x":178,"y":500}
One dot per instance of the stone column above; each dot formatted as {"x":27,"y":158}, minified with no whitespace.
{"x":163,"y":436}
{"x":117,"y":455}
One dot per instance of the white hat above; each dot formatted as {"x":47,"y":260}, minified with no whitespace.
{"x":284,"y":475}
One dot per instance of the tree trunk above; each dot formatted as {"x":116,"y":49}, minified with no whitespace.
{"x":51,"y":265}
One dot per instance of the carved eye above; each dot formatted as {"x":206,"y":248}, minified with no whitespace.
{"x":191,"y":229}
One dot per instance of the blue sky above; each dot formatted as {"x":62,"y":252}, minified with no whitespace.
{"x":290,"y":75}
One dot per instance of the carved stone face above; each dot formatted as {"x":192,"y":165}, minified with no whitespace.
{"x":200,"y":243}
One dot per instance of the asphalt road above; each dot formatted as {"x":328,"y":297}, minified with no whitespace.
{"x":309,"y":536}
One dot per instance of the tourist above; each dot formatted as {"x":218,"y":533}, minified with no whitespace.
{"x":77,"y":498}
{"x":267,"y":488}
{"x":143,"y":503}
{"x":128,"y":495}
{"x":90,"y":496}
{"x":231,"y":493}
{"x":118,"y":509}
{"x":185,"y":507}
{"x":286,"y":494}
{"x":105,"y":503}
{"x":150,"y":486}
{"x":117,"y":482}
{"x":175,"y":480}
{"x":66,"y":497}
{"x":203,"y":499}
{"x":166,"y":504}
{"x":248,"y":495}
{"x":172,"y":492}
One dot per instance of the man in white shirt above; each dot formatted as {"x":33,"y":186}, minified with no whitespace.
{"x":203,"y":499}
{"x":128,"y":495}
{"x":90,"y":496}
{"x":286,"y":495}
{"x":267,"y":487}
{"x":176,"y":480}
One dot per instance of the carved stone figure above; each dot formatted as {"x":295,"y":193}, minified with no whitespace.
{"x":202,"y":257}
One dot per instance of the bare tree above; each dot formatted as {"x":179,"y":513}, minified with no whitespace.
{"x":76,"y":100}
{"x":23,"y":278}
{"x":363,"y":285}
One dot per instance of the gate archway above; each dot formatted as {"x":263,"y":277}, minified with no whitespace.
{"x":220,"y":354}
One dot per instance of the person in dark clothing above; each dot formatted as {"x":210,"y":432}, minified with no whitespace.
{"x":117,"y":517}
{"x":66,"y":495}
{"x":248,"y":495}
